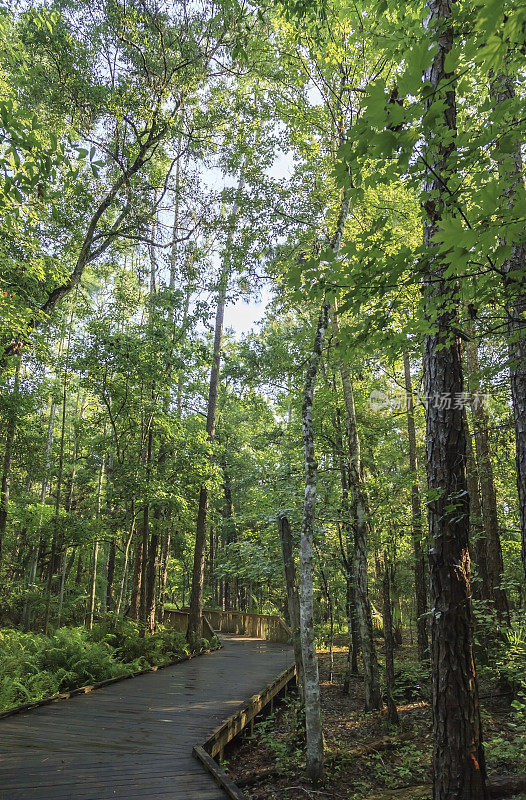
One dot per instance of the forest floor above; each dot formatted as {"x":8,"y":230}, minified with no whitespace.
{"x":365,"y":757}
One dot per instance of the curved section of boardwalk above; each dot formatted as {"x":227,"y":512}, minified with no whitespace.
{"x":134,"y":739}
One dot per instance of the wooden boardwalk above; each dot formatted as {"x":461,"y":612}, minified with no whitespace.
{"x":134,"y":739}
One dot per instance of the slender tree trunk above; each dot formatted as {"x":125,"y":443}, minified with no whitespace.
{"x":110,"y":599}
{"x":135,"y":602}
{"x":392,"y":711}
{"x":93,"y":585}
{"x":8,"y":453}
{"x":459,"y":771}
{"x":195,"y":617}
{"x":151,"y":576}
{"x":347,"y":554}
{"x":330,"y":611}
{"x":58,"y":538}
{"x":514,"y":277}
{"x":145,"y":570}
{"x":352,"y":624}
{"x":416,"y":522}
{"x":80,"y":569}
{"x":477,"y":538}
{"x":373,"y":695}
{"x":93,"y":588}
{"x":35,"y":555}
{"x":175,"y":227}
{"x":308,"y":639}
{"x":293,"y":600}
{"x":164,"y":575}
{"x":495,"y":564}
{"x":122,"y":592}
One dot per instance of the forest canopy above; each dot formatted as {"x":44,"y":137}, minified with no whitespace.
{"x":349,"y":176}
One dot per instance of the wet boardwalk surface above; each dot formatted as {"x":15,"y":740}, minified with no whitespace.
{"x":134,"y":739}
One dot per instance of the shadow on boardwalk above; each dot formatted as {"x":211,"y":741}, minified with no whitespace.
{"x":134,"y":739}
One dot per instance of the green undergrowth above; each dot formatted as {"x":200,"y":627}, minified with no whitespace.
{"x":35,"y":666}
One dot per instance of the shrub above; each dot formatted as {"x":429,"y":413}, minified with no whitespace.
{"x":143,"y":651}
{"x":412,"y":682}
{"x":34,"y":666}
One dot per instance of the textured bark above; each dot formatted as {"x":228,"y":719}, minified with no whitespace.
{"x":514,"y":277}
{"x":308,"y":638}
{"x":164,"y":575}
{"x":56,"y":557}
{"x":110,"y":599}
{"x":136,"y":582}
{"x":458,"y":757}
{"x":93,"y":587}
{"x":151,"y":579}
{"x":94,"y":563}
{"x":352,"y":624}
{"x":8,"y":451}
{"x":195,"y":617}
{"x":347,"y":554}
{"x":416,"y":523}
{"x":124,"y":579}
{"x":373,"y":695}
{"x":293,"y":600}
{"x":495,"y":564}
{"x":392,"y":712}
{"x":477,"y":539}
{"x":35,"y":555}
{"x":229,"y":535}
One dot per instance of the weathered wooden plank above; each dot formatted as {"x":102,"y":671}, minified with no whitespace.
{"x":220,"y":777}
{"x":134,"y":739}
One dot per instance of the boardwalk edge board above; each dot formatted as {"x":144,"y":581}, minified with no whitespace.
{"x":220,"y":777}
{"x":228,"y":730}
{"x":46,"y":701}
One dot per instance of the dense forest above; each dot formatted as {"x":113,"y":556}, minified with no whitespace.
{"x":349,"y":177}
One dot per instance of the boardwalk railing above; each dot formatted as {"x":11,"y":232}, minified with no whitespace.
{"x":258,"y":626}
{"x":214,"y":746}
{"x":178,"y":620}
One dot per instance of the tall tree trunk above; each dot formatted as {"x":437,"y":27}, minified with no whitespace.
{"x":416,"y":522}
{"x":8,"y":453}
{"x":514,"y":276}
{"x":135,"y":602}
{"x":151,"y":577}
{"x":351,"y":667}
{"x":195,"y":616}
{"x":124,"y":579}
{"x":330,"y":613}
{"x":495,"y":564}
{"x":110,"y":577}
{"x":58,"y":538}
{"x":392,"y":711}
{"x":293,"y":600}
{"x":459,"y":771}
{"x":35,"y":555}
{"x":347,"y":554}
{"x":145,"y":596}
{"x":93,"y":584}
{"x":477,"y":539}
{"x":164,"y":575}
{"x":230,"y":535}
{"x":175,"y":226}
{"x":308,"y":638}
{"x":373,"y":695}
{"x":95,"y":559}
